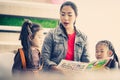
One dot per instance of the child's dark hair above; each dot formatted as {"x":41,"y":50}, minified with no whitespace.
{"x":29,"y":29}
{"x":115,"y":57}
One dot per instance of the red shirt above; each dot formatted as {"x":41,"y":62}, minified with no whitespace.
{"x":70,"y":51}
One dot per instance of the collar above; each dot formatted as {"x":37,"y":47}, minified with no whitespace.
{"x":61,"y":32}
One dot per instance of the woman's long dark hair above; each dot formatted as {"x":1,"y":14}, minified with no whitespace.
{"x":115,"y":57}
{"x":74,"y":7}
{"x":28,"y":30}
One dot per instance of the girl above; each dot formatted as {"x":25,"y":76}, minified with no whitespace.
{"x":66,"y":41}
{"x":28,"y":58}
{"x":105,"y":50}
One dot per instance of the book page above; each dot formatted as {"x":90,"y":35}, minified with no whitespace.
{"x":74,"y":66}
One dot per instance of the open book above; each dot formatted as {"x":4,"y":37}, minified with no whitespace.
{"x":67,"y":65}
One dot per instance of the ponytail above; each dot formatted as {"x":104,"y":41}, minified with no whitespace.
{"x":115,"y":57}
{"x":24,"y":37}
{"x":117,"y":60}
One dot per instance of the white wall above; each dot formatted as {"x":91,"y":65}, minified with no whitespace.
{"x":99,"y":20}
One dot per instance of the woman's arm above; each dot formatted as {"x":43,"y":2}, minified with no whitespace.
{"x":85,"y":55}
{"x":47,"y":49}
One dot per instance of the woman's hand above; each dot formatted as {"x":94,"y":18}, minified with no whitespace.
{"x":57,"y":70}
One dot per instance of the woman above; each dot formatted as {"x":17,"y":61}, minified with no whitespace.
{"x":64,"y":42}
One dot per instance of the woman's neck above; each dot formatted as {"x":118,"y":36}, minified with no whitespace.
{"x":70,"y":30}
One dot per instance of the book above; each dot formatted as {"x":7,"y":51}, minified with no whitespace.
{"x":98,"y":65}
{"x":75,"y":66}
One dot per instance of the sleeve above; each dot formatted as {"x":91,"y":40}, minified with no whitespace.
{"x":47,"y":50}
{"x":17,"y":65}
{"x":85,"y":55}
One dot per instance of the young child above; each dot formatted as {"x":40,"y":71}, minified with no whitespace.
{"x":105,"y":50}
{"x":28,"y":58}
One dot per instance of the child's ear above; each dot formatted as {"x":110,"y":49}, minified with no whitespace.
{"x":110,"y":53}
{"x":30,"y":37}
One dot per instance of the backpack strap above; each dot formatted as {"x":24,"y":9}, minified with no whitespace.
{"x":22,"y":56}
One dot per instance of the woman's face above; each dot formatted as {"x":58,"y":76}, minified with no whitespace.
{"x":102,"y":52}
{"x":67,"y":16}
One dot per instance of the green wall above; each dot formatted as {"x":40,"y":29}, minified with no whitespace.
{"x":10,"y":20}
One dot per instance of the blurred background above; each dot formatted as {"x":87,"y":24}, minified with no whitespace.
{"x":98,"y":19}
